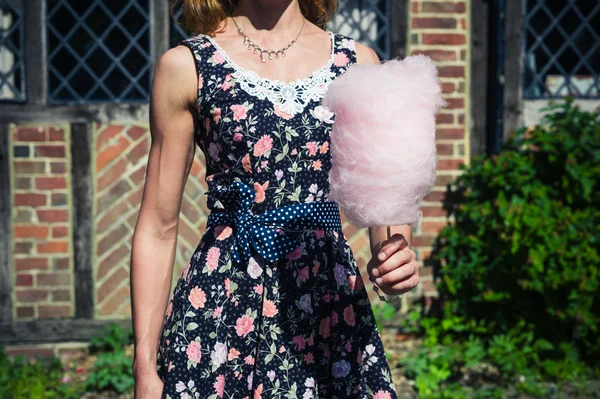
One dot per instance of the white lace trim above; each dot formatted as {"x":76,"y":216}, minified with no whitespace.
{"x":290,"y":98}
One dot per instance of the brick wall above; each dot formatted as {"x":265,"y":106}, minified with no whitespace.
{"x":439,"y":29}
{"x":41,"y":221}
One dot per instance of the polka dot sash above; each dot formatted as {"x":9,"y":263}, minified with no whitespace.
{"x":272,"y":234}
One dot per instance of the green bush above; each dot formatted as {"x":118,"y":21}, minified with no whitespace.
{"x":523,"y":246}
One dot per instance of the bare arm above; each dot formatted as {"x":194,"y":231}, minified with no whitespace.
{"x":169,"y":162}
{"x":391,"y":260}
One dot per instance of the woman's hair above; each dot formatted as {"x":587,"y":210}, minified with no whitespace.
{"x":206,"y":16}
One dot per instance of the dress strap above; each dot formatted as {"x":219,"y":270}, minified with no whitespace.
{"x":344,"y":53}
{"x":197,"y":45}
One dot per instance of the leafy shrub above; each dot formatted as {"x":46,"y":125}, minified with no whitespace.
{"x":111,"y":372}
{"x":523,"y":247}
{"x":111,"y":338}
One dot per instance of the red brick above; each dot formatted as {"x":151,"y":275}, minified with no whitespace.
{"x":59,"y":199}
{"x":432,"y":227}
{"x":415,"y":7}
{"x":197,"y":169}
{"x":24,"y":280}
{"x":23,"y":215}
{"x":116,"y":192}
{"x":422,"y":241}
{"x":443,"y":7}
{"x":443,"y":180}
{"x":451,"y":71}
{"x":22,"y":183}
{"x":104,"y":138}
{"x":429,"y":286}
{"x":115,"y":258}
{"x":434,"y":23}
{"x":50,"y":151}
{"x":110,"y":153}
{"x":135,"y":132}
{"x":53,"y":247}
{"x":455,"y":103}
{"x":57,"y":167}
{"x":23,"y":247}
{"x":438,"y":55}
{"x":56,"y":134}
{"x":112,"y":174}
{"x":30,"y":231}
{"x":425,"y":271}
{"x":447,"y":88}
{"x":445,"y":149}
{"x":450,"y":133}
{"x":24,"y":312}
{"x":48,"y":311}
{"x":433,"y":211}
{"x":449,"y":164}
{"x":114,"y":237}
{"x":113,"y":216}
{"x":61,"y":263}
{"x":111,"y":284}
{"x":461,"y":119}
{"x":30,"y":199}
{"x":30,"y":134}
{"x":446,"y":119}
{"x":135,"y":198}
{"x":435,"y":196}
{"x":60,"y":295}
{"x":60,"y":231}
{"x":53,"y":279}
{"x":448,"y":39}
{"x":50,"y":183}
{"x":463,"y":23}
{"x":29,"y":167}
{"x":138,"y":152}
{"x":31,"y":295}
{"x":463,"y":55}
{"x":31,"y":264}
{"x":115,"y":302}
{"x":53,"y":215}
{"x":138,"y":176}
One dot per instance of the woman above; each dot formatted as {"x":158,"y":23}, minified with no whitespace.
{"x":272,"y":304}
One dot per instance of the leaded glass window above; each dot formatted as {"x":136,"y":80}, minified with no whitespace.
{"x":12,"y":65}
{"x":98,"y":51}
{"x":562,"y":49}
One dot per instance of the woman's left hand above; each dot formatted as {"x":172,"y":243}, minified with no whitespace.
{"x":394,"y":268}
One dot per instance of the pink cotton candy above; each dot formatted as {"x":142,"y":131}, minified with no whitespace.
{"x":383,"y":140}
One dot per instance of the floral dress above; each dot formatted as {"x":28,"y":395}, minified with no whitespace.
{"x":244,"y":322}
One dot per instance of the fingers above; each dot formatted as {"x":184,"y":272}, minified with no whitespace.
{"x":393,"y":244}
{"x":398,"y":274}
{"x":397,"y":259}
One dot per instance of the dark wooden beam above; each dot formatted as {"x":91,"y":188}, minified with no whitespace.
{"x":54,"y":330}
{"x":479,"y":75}
{"x":83,"y":218}
{"x":5,"y":228}
{"x":35,"y":51}
{"x":513,"y":67}
{"x":399,"y":28}
{"x":161,"y":28}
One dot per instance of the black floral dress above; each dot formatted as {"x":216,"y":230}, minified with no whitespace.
{"x":272,"y":304}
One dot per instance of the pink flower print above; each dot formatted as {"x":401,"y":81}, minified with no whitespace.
{"x":200,"y":82}
{"x":317,"y":164}
{"x":264,"y":144}
{"x":311,"y":339}
{"x":312,"y":148}
{"x":324,"y":148}
{"x":319,"y":234}
{"x":294,"y":151}
{"x":340,"y":59}
{"x":269,"y":309}
{"x":258,"y":392}
{"x":349,"y":315}
{"x":282,"y":114}
{"x":316,"y":267}
{"x":219,"y":385}
{"x":348,"y":346}
{"x":295,"y":254}
{"x":246,"y":163}
{"x":259,"y":191}
{"x":169,"y":309}
{"x":227,"y":83}
{"x":258,"y":289}
{"x":303,"y":274}
{"x":355,"y":282}
{"x":281,"y":349}
{"x":309,"y":358}
{"x":325,"y":327}
{"x":218,"y":57}
{"x":244,"y":325}
{"x":197,"y":297}
{"x":212,"y":259}
{"x":207,"y":124}
{"x":327,"y":297}
{"x":217,"y":312}
{"x":334,"y":318}
{"x":216,"y":115}
{"x":336,"y":297}
{"x":233,"y":354}
{"x":227,"y":284}
{"x":239,"y":112}
{"x":186,"y":270}
{"x":382,"y":395}
{"x":237,"y":137}
{"x":194,"y":352}
{"x":222,"y":232}
{"x":249,"y":360}
{"x":264,"y":163}
{"x":299,"y":341}
{"x":170,"y":367}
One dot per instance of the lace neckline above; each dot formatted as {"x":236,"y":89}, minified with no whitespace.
{"x":275,"y":82}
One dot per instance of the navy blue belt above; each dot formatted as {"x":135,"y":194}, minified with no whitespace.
{"x":274,"y":233}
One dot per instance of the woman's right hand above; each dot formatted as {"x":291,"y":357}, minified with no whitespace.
{"x":147,"y":386}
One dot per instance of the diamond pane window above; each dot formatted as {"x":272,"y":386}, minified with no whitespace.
{"x":12,"y":66}
{"x":177,"y":31}
{"x":562,"y":49}
{"x":98,"y":51}
{"x":367,"y":21}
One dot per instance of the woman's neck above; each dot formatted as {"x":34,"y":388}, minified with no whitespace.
{"x":269,"y":19}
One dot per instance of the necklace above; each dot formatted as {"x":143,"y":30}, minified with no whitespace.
{"x":264,"y":53}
